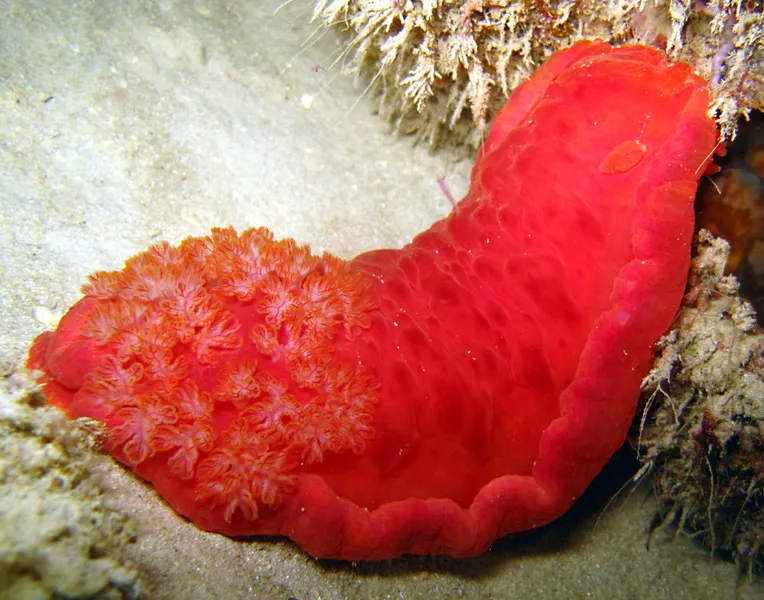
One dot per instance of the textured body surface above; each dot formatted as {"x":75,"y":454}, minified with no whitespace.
{"x":427,"y":400}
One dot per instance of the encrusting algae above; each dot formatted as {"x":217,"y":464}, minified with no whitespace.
{"x":443,"y":68}
{"x":701,"y":434}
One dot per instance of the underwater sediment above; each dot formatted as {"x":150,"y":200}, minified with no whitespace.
{"x":58,"y":539}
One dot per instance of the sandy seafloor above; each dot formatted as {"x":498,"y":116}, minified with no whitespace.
{"x":126,"y":123}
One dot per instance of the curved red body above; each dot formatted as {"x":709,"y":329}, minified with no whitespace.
{"x":423,"y":400}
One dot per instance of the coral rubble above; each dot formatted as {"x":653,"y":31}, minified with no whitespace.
{"x":702,"y":429}
{"x":57,"y":539}
{"x":442,"y":68}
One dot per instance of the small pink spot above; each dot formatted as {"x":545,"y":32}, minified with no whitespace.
{"x":624,"y":157}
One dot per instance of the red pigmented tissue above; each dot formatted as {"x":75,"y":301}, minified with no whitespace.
{"x":426,"y":400}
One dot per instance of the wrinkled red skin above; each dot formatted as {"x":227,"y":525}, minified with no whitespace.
{"x":513,"y":335}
